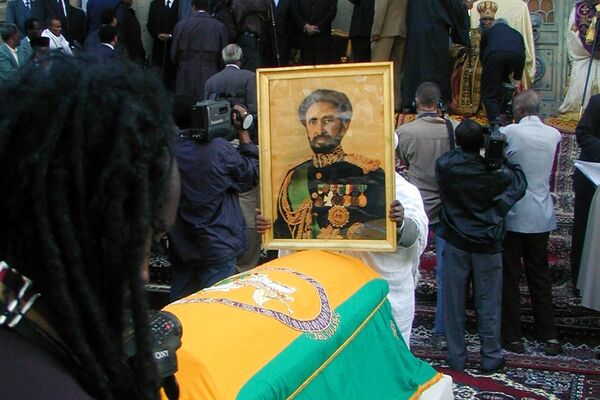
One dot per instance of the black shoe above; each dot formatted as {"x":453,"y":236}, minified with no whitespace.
{"x":553,"y":348}
{"x":490,"y":371}
{"x":515,"y":347}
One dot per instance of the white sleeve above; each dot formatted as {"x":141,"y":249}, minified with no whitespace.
{"x":411,"y":200}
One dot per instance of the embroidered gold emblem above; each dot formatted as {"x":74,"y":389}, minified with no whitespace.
{"x":365,"y":163}
{"x":338,"y":216}
{"x":355,"y":230}
{"x":329,"y":233}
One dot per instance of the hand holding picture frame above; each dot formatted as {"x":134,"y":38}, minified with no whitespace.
{"x":327,"y":156}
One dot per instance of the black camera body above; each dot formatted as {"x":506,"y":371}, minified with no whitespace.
{"x":494,"y":148}
{"x":211,"y":119}
{"x":166,"y":332}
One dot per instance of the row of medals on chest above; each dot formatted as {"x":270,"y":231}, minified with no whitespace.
{"x":347,"y":195}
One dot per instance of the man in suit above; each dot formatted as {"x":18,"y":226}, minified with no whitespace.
{"x":278,"y":53}
{"x":250,"y":17}
{"x":18,"y":11}
{"x":130,"y":32}
{"x":313,"y":18}
{"x":197,"y":42}
{"x":107,"y":17}
{"x":77,"y":32}
{"x":34,"y":29}
{"x":502,"y":53}
{"x":10,"y":57}
{"x":59,"y":9}
{"x":94,"y":12}
{"x":162,"y":18}
{"x":105,"y":51}
{"x":388,"y":35}
{"x":360,"y":29}
{"x":233,"y":80}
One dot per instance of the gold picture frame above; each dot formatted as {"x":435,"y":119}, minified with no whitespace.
{"x":321,"y":194}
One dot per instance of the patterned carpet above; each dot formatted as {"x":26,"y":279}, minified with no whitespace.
{"x":575,"y":374}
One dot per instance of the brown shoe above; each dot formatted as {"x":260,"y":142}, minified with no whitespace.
{"x":553,"y":348}
{"x":515,"y":347}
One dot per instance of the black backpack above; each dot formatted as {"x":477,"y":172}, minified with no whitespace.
{"x":222,"y":10}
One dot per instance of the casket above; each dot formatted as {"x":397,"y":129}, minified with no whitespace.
{"x":311,"y":325}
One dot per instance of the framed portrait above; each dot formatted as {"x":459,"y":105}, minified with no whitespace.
{"x":327,"y":156}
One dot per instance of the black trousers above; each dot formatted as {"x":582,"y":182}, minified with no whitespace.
{"x":361,"y":49}
{"x":313,"y":56}
{"x":251,"y":51}
{"x":584,"y":192}
{"x":497,"y":68}
{"x":532,"y":248}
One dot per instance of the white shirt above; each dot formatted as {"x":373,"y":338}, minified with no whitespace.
{"x":14,"y":53}
{"x":58,"y":42}
{"x":532,"y":145}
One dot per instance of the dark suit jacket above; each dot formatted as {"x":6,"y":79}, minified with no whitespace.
{"x":161,"y":20}
{"x":8,"y":64}
{"x":238,"y":82}
{"x":362,"y":18}
{"x":314,"y":12}
{"x":17,"y":13}
{"x":501,"y":37}
{"x":94,"y":9}
{"x":103,"y":53}
{"x":25,"y":49}
{"x":130,"y":33}
{"x":77,"y":30}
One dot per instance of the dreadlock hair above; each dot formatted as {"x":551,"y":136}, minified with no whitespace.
{"x":85,"y":162}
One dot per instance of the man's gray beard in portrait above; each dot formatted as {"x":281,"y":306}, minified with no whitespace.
{"x":325,"y":146}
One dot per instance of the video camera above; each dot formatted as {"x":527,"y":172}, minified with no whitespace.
{"x":166,"y":332}
{"x":496,"y":141}
{"x":213,"y":118}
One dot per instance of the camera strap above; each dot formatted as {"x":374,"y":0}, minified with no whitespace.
{"x":449,"y":126}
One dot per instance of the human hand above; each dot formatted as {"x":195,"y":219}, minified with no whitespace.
{"x":375,"y":38}
{"x":164,"y":36}
{"x":396,"y":212}
{"x":263,"y":224}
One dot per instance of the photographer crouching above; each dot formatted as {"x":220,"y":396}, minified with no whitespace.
{"x":475,"y":201}
{"x":210,"y":231}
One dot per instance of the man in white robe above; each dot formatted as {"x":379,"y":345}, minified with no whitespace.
{"x":57,"y":40}
{"x":579,"y":57}
{"x":400,"y":268}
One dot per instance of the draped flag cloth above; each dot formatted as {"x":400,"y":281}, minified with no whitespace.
{"x":311,"y":325}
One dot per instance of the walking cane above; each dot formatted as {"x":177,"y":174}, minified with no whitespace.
{"x":596,"y":25}
{"x":275,"y":35}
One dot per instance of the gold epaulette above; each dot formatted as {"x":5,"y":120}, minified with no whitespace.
{"x":365,"y":163}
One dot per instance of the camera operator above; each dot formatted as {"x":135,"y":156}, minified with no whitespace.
{"x":475,"y":201}
{"x":241,"y":85}
{"x":81,"y":201}
{"x":210,"y":231}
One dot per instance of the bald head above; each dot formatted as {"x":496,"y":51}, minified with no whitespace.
{"x":525,"y":104}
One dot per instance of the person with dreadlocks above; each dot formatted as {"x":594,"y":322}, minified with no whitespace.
{"x":88,"y":178}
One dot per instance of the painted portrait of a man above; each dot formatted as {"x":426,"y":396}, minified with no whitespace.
{"x":333,"y":194}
